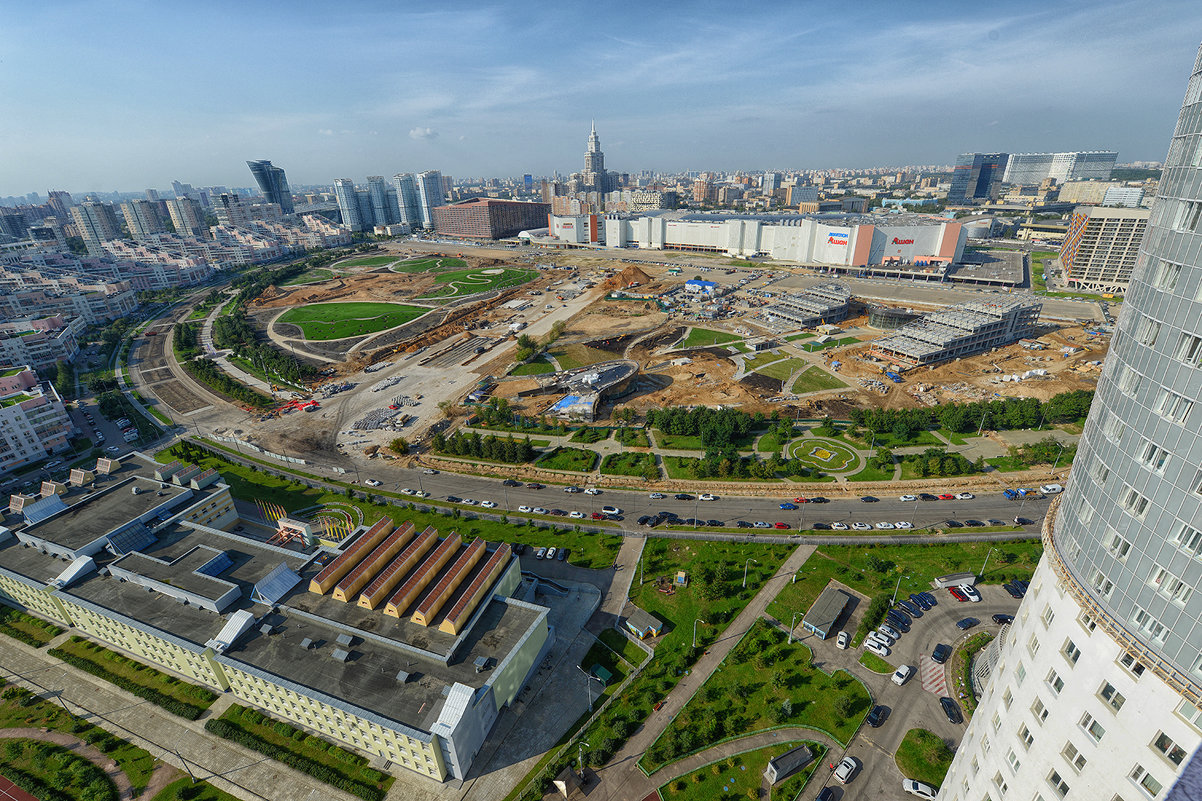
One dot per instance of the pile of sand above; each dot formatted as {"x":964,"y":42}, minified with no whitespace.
{"x":631,"y":275}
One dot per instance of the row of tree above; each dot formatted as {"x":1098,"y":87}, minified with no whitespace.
{"x":234,"y":332}
{"x":715,"y":427}
{"x":207,"y":372}
{"x":1000,"y":415}
{"x":491,"y":447}
{"x":183,"y":339}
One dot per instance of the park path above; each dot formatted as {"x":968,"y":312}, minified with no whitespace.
{"x":163,"y":773}
{"x":621,"y":778}
{"x":742,"y":745}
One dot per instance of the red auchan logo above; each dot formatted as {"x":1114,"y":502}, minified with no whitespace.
{"x":897,"y":241}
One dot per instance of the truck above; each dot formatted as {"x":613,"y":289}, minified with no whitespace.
{"x":894,"y":377}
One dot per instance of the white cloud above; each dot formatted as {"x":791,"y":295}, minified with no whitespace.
{"x":420,"y":133}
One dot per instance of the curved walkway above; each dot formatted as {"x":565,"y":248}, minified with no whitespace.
{"x":162,"y":776}
{"x":742,"y":745}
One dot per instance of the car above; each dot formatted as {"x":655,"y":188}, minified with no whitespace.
{"x":868,"y":499}
{"x":801,"y":499}
{"x":524,"y":509}
{"x":572,"y":490}
{"x":534,"y":485}
{"x":550,"y":553}
{"x":880,"y":636}
{"x":454,"y":499}
{"x":964,"y":496}
{"x":876,"y":647}
{"x":683,"y":496}
{"x":561,"y":555}
{"x":827,"y":794}
{"x":898,"y":622}
{"x":971,"y":593}
{"x":839,"y":526}
{"x":762,"y":524}
{"x":592,"y":491}
{"x":1012,"y":590}
{"x":967,"y":623}
{"x":743,"y":524}
{"x":54,"y":464}
{"x":924,"y":791}
{"x":929,"y":598}
{"x":404,"y":490}
{"x":973,"y":523}
{"x":489,"y":504}
{"x":842,"y":640}
{"x":468,"y":502}
{"x":1009,"y":494}
{"x":538,"y":510}
{"x":947,"y":497}
{"x":597,"y":516}
{"x":910,"y":608}
{"x":540,"y":553}
{"x":903,"y":524}
{"x":788,"y":507}
{"x":509,"y":482}
{"x":1003,"y":620}
{"x":112,"y":449}
{"x":955,"y":593}
{"x":906,"y":498}
{"x":847,"y":768}
{"x":877,"y":716}
{"x":919,"y":601}
{"x":656,"y":496}
{"x":519,"y":548}
{"x":819,"y":499}
{"x":1051,"y":489}
{"x":861,"y":526}
{"x":902,"y":675}
{"x":926,"y":496}
{"x":715,"y":523}
{"x":1023,"y":521}
{"x":951,"y":709}
{"x":705,"y":496}
{"x":885,"y":525}
{"x":575,"y":515}
{"x":559,"y":513}
{"x":430,"y":471}
{"x":781,"y":525}
{"x":611,"y":510}
{"x":941,"y":653}
{"x":885,"y":628}
{"x":645,"y":520}
{"x":952,"y":524}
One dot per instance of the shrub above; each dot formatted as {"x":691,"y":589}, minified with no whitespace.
{"x":172,"y":705}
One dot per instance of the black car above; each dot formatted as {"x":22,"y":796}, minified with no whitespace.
{"x":930,"y":598}
{"x":951,"y":709}
{"x":562,"y":555}
{"x":909,"y":607}
{"x":743,"y":524}
{"x":1002,"y":620}
{"x":820,"y":526}
{"x":1023,"y":585}
{"x":683,"y":496}
{"x":645,"y":520}
{"x":926,"y":496}
{"x":559,"y":513}
{"x":519,"y":548}
{"x":690,"y":521}
{"x":1023,"y":521}
{"x":941,"y":653}
{"x":919,"y":601}
{"x":973,"y":523}
{"x":534,"y":485}
{"x":967,"y":623}
{"x":509,"y":482}
{"x":869,"y":499}
{"x":877,"y":716}
{"x":453,"y":499}
{"x":715,"y":523}
{"x":953,"y":524}
{"x":825,"y":794}
{"x":819,"y":499}
{"x":898,"y":622}
{"x":1012,"y":590}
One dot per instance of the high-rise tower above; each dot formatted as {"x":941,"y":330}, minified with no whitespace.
{"x":273,"y":183}
{"x":97,"y":223}
{"x":430,"y":195}
{"x":1096,"y":691}
{"x":594,"y":178}
{"x":380,"y":209}
{"x":348,"y":203}
{"x":408,"y":203}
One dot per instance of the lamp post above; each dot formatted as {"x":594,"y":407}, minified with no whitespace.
{"x":792,"y":623}
{"x":1059,"y":453}
{"x":582,"y":745}
{"x":991,"y":550}
{"x":695,"y":622}
{"x":588,"y":687}
{"x":898,"y":587}
{"x":745,"y":566}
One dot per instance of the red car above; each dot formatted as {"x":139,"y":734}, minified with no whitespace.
{"x":782,"y":525}
{"x":801,"y":500}
{"x":598,"y":516}
{"x":959,"y":596}
{"x":946,"y":497}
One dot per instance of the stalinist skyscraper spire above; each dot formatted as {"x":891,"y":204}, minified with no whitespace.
{"x":594,"y":176}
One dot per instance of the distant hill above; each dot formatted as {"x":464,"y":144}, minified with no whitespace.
{"x":1132,"y":174}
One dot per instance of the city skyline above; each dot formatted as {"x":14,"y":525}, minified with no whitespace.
{"x":910,"y":86}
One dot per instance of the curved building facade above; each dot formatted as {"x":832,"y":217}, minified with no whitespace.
{"x":1097,"y":693}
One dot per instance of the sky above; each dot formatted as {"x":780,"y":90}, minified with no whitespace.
{"x":97,"y":96}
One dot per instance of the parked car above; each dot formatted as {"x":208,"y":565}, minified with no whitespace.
{"x":538,"y":510}
{"x":611,"y":510}
{"x":967,"y":623}
{"x":743,"y":524}
{"x":970,"y":592}
{"x":885,"y":525}
{"x":955,"y":593}
{"x":540,"y":553}
{"x":371,"y":482}
{"x":454,"y":499}
{"x":907,"y":498}
{"x":489,"y":504}
{"x":947,"y":497}
{"x":571,"y":489}
{"x":903,"y":524}
{"x":892,"y":632}
{"x":509,"y":482}
{"x":902,"y":675}
{"x":876,"y":648}
{"x":930,"y":598}
{"x":762,"y":524}
{"x":964,"y":496}
{"x":575,"y":515}
{"x":524,"y":509}
{"x":468,"y":502}
{"x":597,"y":516}
{"x":656,"y":496}
{"x":592,"y":491}
{"x":561,"y":555}
{"x":550,"y":553}
{"x":1003,"y":620}
{"x":707,"y":497}
{"x":923,"y":791}
{"x":534,"y":485}
{"x":828,"y":794}
{"x":847,"y":768}
{"x":861,"y":526}
{"x":1012,"y":590}
{"x":430,"y":471}
{"x":842,"y":640}
{"x":926,"y":496}
{"x":1051,"y":489}
{"x":879,"y":639}
{"x":713,"y":523}
{"x":877,"y":716}
{"x":919,"y":601}
{"x":951,"y":709}
{"x":788,"y":506}
{"x":910,"y":608}
{"x":683,"y":496}
{"x":839,"y":526}
{"x":868,"y":499}
{"x":941,"y":653}
{"x":645,"y":520}
{"x":781,"y":525}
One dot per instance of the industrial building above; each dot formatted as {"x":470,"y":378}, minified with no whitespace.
{"x":1095,"y":690}
{"x":489,"y":218}
{"x":402,"y":644}
{"x":815,"y":305}
{"x":960,"y":330}
{"x":1102,"y":246}
{"x":34,"y":423}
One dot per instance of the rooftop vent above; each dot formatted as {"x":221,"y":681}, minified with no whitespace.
{"x":402,"y":676}
{"x":345,"y":640}
{"x":306,"y":643}
{"x":341,"y":655}
{"x":481,"y":664}
{"x":267,"y":628}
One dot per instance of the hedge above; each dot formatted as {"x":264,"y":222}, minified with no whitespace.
{"x":33,"y":785}
{"x":231,"y":731}
{"x":172,"y":705}
{"x":9,"y":614}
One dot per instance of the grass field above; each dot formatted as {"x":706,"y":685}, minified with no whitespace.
{"x":886,"y":440}
{"x":924,"y":756}
{"x":687,"y":442}
{"x":27,"y":628}
{"x":538,"y":366}
{"x":619,"y":644}
{"x":627,"y":464}
{"x":574,"y":459}
{"x":769,"y":443}
{"x":1006,"y":464}
{"x":429,"y":265}
{"x":457,"y":283}
{"x":322,"y":321}
{"x":834,"y":343}
{"x":872,"y":474}
{"x":309,"y":276}
{"x":761,"y":360}
{"x":632,"y":437}
{"x":368,"y":261}
{"x":795,"y":337}
{"x":740,"y":776}
{"x":783,"y":369}
{"x":763,"y":682}
{"x":184,"y":790}
{"x":815,"y":380}
{"x":572,"y":356}
{"x":809,"y":450}
{"x":1039,"y":265}
{"x":698,"y":337}
{"x":875,"y":663}
{"x":590,"y":434}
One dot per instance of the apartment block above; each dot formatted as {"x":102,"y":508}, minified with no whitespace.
{"x":1102,"y":246}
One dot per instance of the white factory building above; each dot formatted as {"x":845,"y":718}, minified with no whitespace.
{"x":842,"y":240}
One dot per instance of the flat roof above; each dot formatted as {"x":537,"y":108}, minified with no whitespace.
{"x":826,"y":610}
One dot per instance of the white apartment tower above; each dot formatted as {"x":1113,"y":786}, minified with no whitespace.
{"x":1096,"y":689}
{"x":430,"y":195}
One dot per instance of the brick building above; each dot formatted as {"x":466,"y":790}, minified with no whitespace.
{"x":489,"y":218}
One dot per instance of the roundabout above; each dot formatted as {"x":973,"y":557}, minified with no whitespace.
{"x":827,"y":455}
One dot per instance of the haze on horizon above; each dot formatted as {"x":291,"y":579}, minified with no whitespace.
{"x":128,"y":95}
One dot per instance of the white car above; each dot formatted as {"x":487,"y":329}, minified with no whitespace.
{"x":882,"y":637}
{"x":971,"y":592}
{"x":468,"y":502}
{"x":903,"y":524}
{"x":592,"y":491}
{"x":885,"y":525}
{"x":489,"y":504}
{"x":430,"y":471}
{"x":876,"y":648}
{"x":576,"y":515}
{"x":112,"y":449}
{"x":421,"y":494}
{"x":902,"y":675}
{"x":656,"y":496}
{"x":538,"y":510}
{"x":839,"y":526}
{"x":892,"y":632}
{"x":610,"y":510}
{"x":571,"y":490}
{"x":404,"y":490}
{"x":1051,"y":489}
{"x":707,"y":497}
{"x":861,"y":526}
{"x":908,"y":498}
{"x":842,"y":640}
{"x":924,"y":791}
{"x":550,"y":554}
{"x":964,"y":496}
{"x":846,"y":769}
{"x":524,"y":509}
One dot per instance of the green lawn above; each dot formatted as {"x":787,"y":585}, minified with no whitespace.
{"x":686,"y":442}
{"x":53,"y":772}
{"x":458,"y":283}
{"x":815,"y":380}
{"x":763,"y":359}
{"x":954,"y":437}
{"x":872,"y":474}
{"x":834,"y":343}
{"x":795,"y":337}
{"x":809,"y":450}
{"x":1006,"y":464}
{"x":1039,"y":266}
{"x":769,"y":443}
{"x":574,"y":459}
{"x":763,"y":683}
{"x":681,"y":467}
{"x":875,"y":663}
{"x":631,"y":463}
{"x":590,"y":434}
{"x":632,"y":437}
{"x":570,"y":357}
{"x":322,"y":321}
{"x":429,"y":265}
{"x":369,"y":261}
{"x":537,"y":366}
{"x":924,"y":756}
{"x":871,"y":569}
{"x":741,"y":776}
{"x":309,"y":277}
{"x":887,"y":440}
{"x":184,"y":790}
{"x":26,"y":628}
{"x":619,"y":644}
{"x":783,"y":369}
{"x":699,"y":337}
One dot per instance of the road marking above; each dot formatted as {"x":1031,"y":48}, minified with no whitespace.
{"x":934,"y":677}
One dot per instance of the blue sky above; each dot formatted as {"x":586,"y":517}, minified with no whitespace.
{"x":127,"y":95}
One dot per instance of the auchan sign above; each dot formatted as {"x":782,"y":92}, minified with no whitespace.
{"x":836,"y":239}
{"x":897,"y":241}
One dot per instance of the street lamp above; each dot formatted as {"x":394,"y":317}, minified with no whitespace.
{"x":582,"y":745}
{"x":588,"y":687}
{"x":1059,"y":453}
{"x":991,"y":550}
{"x":745,"y":566}
{"x":792,"y":623}
{"x":898,"y":587}
{"x":695,"y":622}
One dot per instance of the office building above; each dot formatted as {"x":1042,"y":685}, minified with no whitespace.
{"x":430,"y":195}
{"x":402,"y":644}
{"x":34,"y":423}
{"x":381,"y":209}
{"x":489,"y":218}
{"x":408,"y":202}
{"x":187,"y":217}
{"x":142,"y":218}
{"x":273,"y":184}
{"x":40,"y":342}
{"x":1029,"y":169}
{"x":1085,"y":193}
{"x":976,"y":177}
{"x":959,"y":331}
{"x":348,"y":204}
{"x":1101,"y":247}
{"x":1095,"y":690}
{"x":97,"y":223}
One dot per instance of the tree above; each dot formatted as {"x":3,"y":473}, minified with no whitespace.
{"x":400,"y":446}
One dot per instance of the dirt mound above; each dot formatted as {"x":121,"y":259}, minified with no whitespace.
{"x":631,"y":275}
{"x":761,"y":382}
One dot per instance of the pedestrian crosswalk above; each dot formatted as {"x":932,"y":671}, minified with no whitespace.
{"x":934,"y":677}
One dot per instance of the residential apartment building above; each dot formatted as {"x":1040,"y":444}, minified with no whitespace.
{"x":97,"y":223}
{"x":1101,"y":247}
{"x":40,"y":342}
{"x":273,"y":183}
{"x":33,"y":421}
{"x":27,"y":291}
{"x":489,"y":218}
{"x":187,"y":217}
{"x":142,"y":218}
{"x":430,"y":194}
{"x":234,"y":210}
